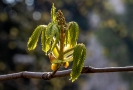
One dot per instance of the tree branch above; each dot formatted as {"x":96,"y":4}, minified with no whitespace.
{"x":48,"y":75}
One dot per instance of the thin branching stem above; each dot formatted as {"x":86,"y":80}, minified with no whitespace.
{"x":48,"y":75}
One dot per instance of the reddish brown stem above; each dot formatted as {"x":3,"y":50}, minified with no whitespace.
{"x":61,"y":44}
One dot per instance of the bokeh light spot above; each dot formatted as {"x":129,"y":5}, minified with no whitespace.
{"x":2,"y":66}
{"x":29,"y":2}
{"x":9,"y":1}
{"x":3,"y":17}
{"x":13,"y":32}
{"x":11,"y":44}
{"x":36,"y":15}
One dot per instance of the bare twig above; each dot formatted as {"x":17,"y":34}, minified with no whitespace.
{"x":48,"y":75}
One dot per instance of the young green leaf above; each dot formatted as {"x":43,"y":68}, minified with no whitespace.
{"x":79,"y":55}
{"x":45,"y":46}
{"x":53,"y":14}
{"x":61,"y":61}
{"x":72,"y":34}
{"x":32,"y":42}
{"x":52,"y":33}
{"x":66,"y":33}
{"x":55,"y":52}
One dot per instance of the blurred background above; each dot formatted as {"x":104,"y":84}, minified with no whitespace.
{"x":106,"y":28}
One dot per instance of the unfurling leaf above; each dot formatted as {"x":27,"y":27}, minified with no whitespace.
{"x":59,"y":42}
{"x":45,"y":46}
{"x":52,"y":35}
{"x":72,"y":33}
{"x":53,"y":14}
{"x":32,"y":42}
{"x":55,"y":52}
{"x":79,"y":55}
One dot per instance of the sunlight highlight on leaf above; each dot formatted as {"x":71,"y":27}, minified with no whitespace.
{"x":45,"y":46}
{"x":59,"y":42}
{"x":53,"y":15}
{"x":55,"y":52}
{"x":73,"y":33}
{"x":61,"y":61}
{"x":79,"y":55}
{"x":52,"y":33}
{"x":32,"y":42}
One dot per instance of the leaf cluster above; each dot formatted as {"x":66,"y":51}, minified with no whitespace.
{"x":59,"y":42}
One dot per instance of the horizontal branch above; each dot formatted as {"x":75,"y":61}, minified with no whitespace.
{"x":48,"y":75}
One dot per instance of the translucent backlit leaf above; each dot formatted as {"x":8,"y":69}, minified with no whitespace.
{"x":66,"y":33}
{"x":55,"y":52}
{"x":52,"y":35}
{"x":57,"y":61}
{"x":32,"y":42}
{"x":53,"y":14}
{"x":60,"y":46}
{"x":57,"y":36}
{"x":72,"y":34}
{"x":45,"y":46}
{"x":79,"y":55}
{"x":68,"y":51}
{"x":61,"y":61}
{"x":49,"y":31}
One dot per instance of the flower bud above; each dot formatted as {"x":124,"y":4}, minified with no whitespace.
{"x":54,"y":66}
{"x":66,"y":64}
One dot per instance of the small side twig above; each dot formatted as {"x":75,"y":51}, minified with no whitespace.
{"x":48,"y":75}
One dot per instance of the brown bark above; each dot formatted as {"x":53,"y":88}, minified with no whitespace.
{"x":49,"y":75}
